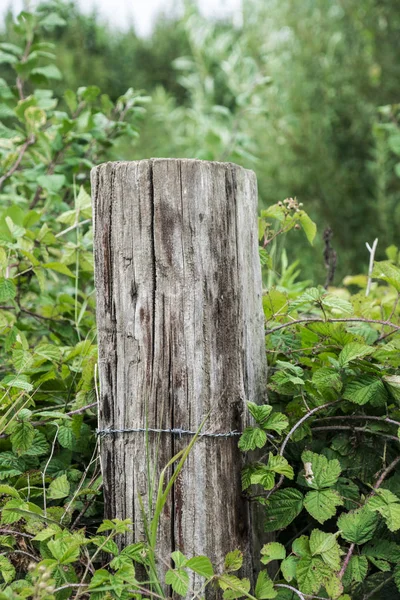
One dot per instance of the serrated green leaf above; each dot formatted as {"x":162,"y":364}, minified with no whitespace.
{"x":7,"y":569}
{"x":282,"y":507}
{"x":8,"y":490}
{"x":309,"y":227}
{"x":264,"y":589}
{"x":66,"y":437}
{"x":319,"y":472}
{"x":233,"y":561}
{"x":353,"y":351}
{"x":387,"y":505}
{"x":279,"y":464}
{"x":59,"y":488}
{"x":233,"y":586}
{"x":357,"y":569}
{"x":337,"y":304}
{"x":288,"y":568}
{"x":364,"y":389}
{"x":388,"y":272}
{"x":301,"y":546}
{"x":59,"y":267}
{"x":272,"y":551}
{"x":326,"y":380}
{"x":358,"y":526}
{"x":39,"y":446}
{"x":259,"y":413}
{"x":276,"y":422}
{"x":322,"y":504}
{"x":252,"y":438}
{"x":178,"y":579}
{"x":201,"y":565}
{"x":22,"y":437}
{"x":325,"y":545}
{"x":333,"y":586}
{"x":9,"y":512}
{"x":8,"y":290}
{"x":310,"y":573}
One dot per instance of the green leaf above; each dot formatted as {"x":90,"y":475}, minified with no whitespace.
{"x":282,"y":507}
{"x":22,"y":437}
{"x":301,"y":546}
{"x":309,"y":227}
{"x":59,"y":267}
{"x":252,"y":438}
{"x":259,"y":413}
{"x":9,"y":513}
{"x":337,"y":304}
{"x":19,"y":382}
{"x":233,"y":561}
{"x":7,"y":569}
{"x":333,"y":586}
{"x":327,"y":380}
{"x":288,"y":568}
{"x":66,"y":437}
{"x":51,"y":183}
{"x":51,"y":21}
{"x":319,"y":472}
{"x":357,"y":569}
{"x":397,"y":576}
{"x":7,"y":490}
{"x":272,"y":551}
{"x":178,"y":579}
{"x":201,"y":565}
{"x":8,"y":290}
{"x":326,"y":546}
{"x":233,"y":586}
{"x":178,"y":558}
{"x":49,"y":72}
{"x":264,"y":587}
{"x":279,"y":464}
{"x":387,"y":505}
{"x":277,"y":422}
{"x":310,"y":573}
{"x":5,"y":57}
{"x":321,"y":504}
{"x":388,"y":272}
{"x":352,"y":351}
{"x":59,"y":488}
{"x":364,"y":389}
{"x":358,"y":526}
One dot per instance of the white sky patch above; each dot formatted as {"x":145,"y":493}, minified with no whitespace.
{"x":139,"y":13}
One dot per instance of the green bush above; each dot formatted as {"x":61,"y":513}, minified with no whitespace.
{"x":328,"y":479}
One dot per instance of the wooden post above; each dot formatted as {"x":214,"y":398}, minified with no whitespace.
{"x":180,"y":331}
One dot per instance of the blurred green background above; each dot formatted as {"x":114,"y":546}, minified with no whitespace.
{"x":305,"y":93}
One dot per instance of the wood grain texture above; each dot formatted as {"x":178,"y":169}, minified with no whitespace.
{"x":180,"y":329}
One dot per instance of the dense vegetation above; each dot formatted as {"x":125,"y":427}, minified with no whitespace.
{"x":334,"y":387}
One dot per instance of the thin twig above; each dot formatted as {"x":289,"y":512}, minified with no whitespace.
{"x":359,"y":417}
{"x":20,"y":156}
{"x":45,"y":469}
{"x":332,"y":320}
{"x":12,"y":532}
{"x":371,"y":264}
{"x":359,"y":429}
{"x":74,"y":226}
{"x":347,"y":560}
{"x":292,"y":589}
{"x":378,"y":587}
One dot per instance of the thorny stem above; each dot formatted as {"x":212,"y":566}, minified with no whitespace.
{"x":292,"y":589}
{"x":359,"y":417}
{"x":360,"y":429}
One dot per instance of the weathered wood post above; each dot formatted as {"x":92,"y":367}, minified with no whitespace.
{"x":180,"y":332}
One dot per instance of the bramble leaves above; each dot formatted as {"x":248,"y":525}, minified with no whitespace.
{"x":282,"y":507}
{"x":319,"y":472}
{"x":358,"y":526}
{"x":272,"y":551}
{"x":322,"y":504}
